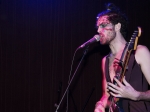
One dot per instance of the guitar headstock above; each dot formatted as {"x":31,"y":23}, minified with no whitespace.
{"x":134,"y":39}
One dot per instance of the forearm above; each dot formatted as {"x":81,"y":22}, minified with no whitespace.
{"x":144,"y":96}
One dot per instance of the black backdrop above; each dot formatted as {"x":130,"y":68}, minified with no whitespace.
{"x":37,"y":41}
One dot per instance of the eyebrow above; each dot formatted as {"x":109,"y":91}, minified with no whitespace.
{"x":104,"y":23}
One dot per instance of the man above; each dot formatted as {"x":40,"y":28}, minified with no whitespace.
{"x":133,"y":92}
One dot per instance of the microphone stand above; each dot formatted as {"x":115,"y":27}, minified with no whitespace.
{"x":72,"y":79}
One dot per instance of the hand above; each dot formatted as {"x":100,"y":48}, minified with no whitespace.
{"x":123,"y":91}
{"x":99,"y":107}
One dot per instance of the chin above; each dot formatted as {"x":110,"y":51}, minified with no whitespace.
{"x":103,"y":43}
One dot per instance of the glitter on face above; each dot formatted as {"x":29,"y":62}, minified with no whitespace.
{"x":103,"y":19}
{"x":103,"y":23}
{"x":105,"y":30}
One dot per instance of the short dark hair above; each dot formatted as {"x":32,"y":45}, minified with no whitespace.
{"x":115,"y":16}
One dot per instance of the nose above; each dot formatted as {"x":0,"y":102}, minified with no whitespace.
{"x":99,"y":30}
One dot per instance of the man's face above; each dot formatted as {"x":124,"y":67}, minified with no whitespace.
{"x":106,"y":30}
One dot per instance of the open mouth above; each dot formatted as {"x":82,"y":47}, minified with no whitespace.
{"x":101,"y":39}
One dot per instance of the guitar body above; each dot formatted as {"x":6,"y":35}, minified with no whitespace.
{"x":115,"y":106}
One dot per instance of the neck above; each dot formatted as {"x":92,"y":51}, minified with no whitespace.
{"x":117,"y":45}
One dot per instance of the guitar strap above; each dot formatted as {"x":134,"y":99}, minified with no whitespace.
{"x":130,"y":66}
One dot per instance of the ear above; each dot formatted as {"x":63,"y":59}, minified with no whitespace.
{"x":118,"y":27}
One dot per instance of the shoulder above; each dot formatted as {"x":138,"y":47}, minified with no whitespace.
{"x":142,"y":47}
{"x":142,"y":53}
{"x":103,"y":63}
{"x":104,"y":58}
{"x":142,"y":50}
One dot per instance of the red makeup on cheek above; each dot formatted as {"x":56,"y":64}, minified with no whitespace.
{"x":110,"y":29}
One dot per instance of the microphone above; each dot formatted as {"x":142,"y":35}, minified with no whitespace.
{"x":96,"y":38}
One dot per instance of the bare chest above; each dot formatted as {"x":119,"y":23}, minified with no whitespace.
{"x":113,"y":65}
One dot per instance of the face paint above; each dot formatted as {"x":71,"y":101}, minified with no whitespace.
{"x":109,"y":29}
{"x":103,"y":19}
{"x":105,"y":29}
{"x":104,"y":23}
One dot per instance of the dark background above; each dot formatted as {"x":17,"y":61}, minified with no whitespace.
{"x":38,"y":39}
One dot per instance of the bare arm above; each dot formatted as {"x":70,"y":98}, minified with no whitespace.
{"x":101,"y":105}
{"x":142,"y":57}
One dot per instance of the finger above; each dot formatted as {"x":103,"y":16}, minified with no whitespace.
{"x":125,"y":82}
{"x":107,"y":89}
{"x":118,"y":82}
{"x":115,"y":95}
{"x":96,"y":110}
{"x":113,"y":86}
{"x":114,"y":90}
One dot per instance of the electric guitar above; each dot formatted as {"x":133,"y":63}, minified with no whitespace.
{"x":115,"y":103}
